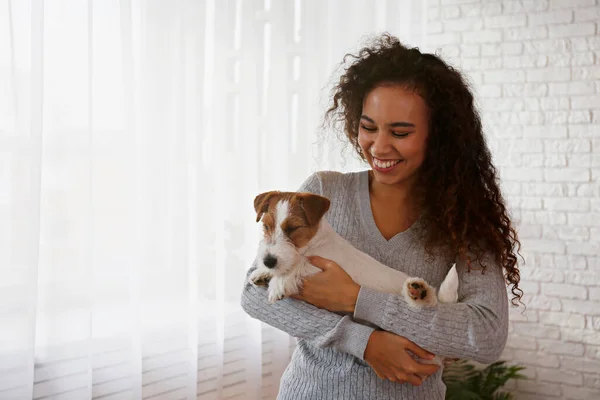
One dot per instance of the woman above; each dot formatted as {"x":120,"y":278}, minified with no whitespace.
{"x":430,"y":199}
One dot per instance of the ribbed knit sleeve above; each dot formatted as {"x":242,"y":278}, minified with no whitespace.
{"x":302,"y":320}
{"x":475,"y":328}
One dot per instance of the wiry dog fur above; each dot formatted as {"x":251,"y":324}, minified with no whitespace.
{"x":294,"y":228}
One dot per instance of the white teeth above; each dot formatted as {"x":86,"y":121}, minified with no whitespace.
{"x":384,"y":164}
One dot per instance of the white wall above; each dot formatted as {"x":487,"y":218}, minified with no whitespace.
{"x":535,"y":66}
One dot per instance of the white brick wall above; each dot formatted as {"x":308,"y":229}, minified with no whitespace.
{"x":535,"y":68}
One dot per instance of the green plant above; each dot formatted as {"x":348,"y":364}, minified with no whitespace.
{"x":464,"y":381}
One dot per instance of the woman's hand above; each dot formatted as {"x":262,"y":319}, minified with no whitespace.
{"x":333,"y":289}
{"x":387,"y":354}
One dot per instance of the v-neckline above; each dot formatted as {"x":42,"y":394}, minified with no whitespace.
{"x":369,"y":219}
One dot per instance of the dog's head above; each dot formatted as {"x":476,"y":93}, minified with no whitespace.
{"x":290,"y":220}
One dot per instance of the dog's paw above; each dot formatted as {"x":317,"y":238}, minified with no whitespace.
{"x":259,"y":278}
{"x":418,"y":293}
{"x":275,"y":297}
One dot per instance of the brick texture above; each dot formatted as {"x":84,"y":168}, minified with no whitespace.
{"x":535,"y":68}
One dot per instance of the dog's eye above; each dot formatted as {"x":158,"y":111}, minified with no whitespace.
{"x":265,"y":227}
{"x":291,"y":229}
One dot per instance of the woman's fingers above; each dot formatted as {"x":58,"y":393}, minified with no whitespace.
{"x":419,"y":351}
{"x":414,"y":372}
{"x":402,"y":377}
{"x":414,"y":379}
{"x":396,"y":379}
{"x":425,"y":369}
{"x":322,"y":263}
{"x":392,"y":357}
{"x":409,"y":377}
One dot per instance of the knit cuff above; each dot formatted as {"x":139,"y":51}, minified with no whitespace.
{"x":354,"y":339}
{"x":370,"y":306}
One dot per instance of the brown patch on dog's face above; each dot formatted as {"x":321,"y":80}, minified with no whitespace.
{"x":296,"y":228}
{"x":306,"y":211}
{"x":268,"y":225}
{"x":314,"y":207}
{"x":301,"y":222}
{"x":262,"y":201}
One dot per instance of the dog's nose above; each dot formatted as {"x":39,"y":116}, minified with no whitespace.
{"x":270,"y":261}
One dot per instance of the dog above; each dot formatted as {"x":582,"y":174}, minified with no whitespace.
{"x":294,"y":228}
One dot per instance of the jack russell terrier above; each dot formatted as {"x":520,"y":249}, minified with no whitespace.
{"x":294,"y":228}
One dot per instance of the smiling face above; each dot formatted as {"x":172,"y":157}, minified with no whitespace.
{"x":393,"y":133}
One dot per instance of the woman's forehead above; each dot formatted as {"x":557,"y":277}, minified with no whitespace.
{"x":387,"y":104}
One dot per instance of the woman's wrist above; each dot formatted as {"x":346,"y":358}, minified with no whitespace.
{"x":371,"y":344}
{"x":352,"y":297}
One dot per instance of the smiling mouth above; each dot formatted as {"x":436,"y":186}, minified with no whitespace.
{"x":384,"y":164}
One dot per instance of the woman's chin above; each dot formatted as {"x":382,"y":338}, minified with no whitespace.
{"x":386,"y":179}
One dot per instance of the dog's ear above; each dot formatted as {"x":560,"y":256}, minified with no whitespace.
{"x":261,"y":203}
{"x":314,"y":207}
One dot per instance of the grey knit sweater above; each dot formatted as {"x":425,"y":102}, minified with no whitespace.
{"x":328,"y":362}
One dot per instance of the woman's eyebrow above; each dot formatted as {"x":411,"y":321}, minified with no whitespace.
{"x":401,"y":124}
{"x":367,"y":118}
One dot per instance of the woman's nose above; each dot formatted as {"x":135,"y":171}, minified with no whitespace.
{"x":381,"y":144}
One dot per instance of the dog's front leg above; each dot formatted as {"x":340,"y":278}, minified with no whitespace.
{"x":287,"y":285}
{"x":276,"y":285}
{"x":278,"y":289}
{"x":419,"y":293}
{"x":260,"y":276}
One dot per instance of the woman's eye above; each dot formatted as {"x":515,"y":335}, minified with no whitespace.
{"x":368,"y":129}
{"x":400,"y":135}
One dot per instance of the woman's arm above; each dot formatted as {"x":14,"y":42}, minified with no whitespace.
{"x":476,"y":328}
{"x":302,"y":320}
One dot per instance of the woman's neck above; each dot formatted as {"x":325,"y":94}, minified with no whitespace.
{"x":399,"y":197}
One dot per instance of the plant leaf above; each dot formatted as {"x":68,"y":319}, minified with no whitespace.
{"x":464,"y":381}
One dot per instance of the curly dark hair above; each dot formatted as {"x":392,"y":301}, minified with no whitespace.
{"x":464,"y":210}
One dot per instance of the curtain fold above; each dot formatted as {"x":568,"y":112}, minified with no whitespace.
{"x":134,"y":135}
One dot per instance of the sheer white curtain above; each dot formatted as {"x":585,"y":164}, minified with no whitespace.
{"x":134,"y":136}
